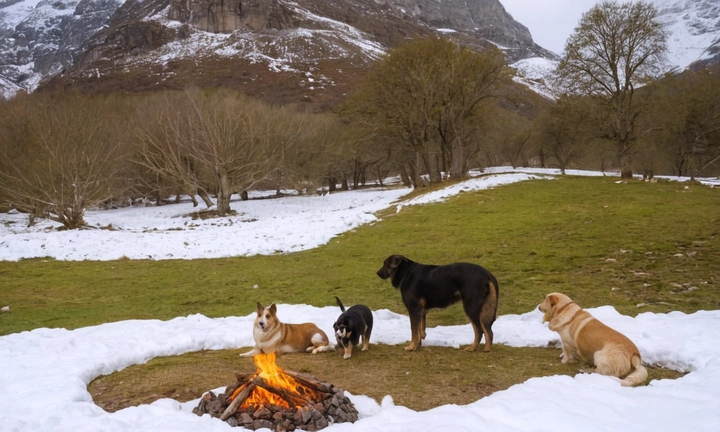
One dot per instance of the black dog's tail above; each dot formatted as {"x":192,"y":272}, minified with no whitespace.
{"x":342,"y":308}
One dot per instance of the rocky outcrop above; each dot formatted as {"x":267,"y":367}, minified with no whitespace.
{"x":49,"y":37}
{"x":226,"y":16}
{"x":472,"y":22}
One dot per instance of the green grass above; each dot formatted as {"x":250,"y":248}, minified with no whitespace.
{"x":641,"y":247}
{"x":596,"y":240}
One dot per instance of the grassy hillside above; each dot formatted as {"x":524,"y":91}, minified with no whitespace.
{"x":641,"y":247}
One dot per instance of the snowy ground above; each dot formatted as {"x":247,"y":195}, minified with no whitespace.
{"x":44,"y":373}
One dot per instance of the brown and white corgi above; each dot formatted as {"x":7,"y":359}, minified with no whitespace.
{"x":273,"y":336}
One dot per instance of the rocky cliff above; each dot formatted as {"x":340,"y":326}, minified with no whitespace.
{"x":261,"y":44}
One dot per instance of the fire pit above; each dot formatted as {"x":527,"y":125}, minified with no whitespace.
{"x":278,"y":399}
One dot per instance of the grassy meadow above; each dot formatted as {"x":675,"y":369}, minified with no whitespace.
{"x":638,"y":246}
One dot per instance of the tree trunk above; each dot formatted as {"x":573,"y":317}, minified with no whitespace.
{"x":224,"y":193}
{"x":626,"y":167}
{"x":457,"y":160}
{"x":405,"y":176}
{"x":205,"y":197}
{"x":417,"y":176}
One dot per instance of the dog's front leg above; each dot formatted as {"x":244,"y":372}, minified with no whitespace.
{"x":348,"y":351}
{"x":255,"y":351}
{"x":568,"y":353}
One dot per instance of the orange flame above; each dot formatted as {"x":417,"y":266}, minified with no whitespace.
{"x":268,"y":370}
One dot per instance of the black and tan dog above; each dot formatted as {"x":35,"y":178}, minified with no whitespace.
{"x":426,"y":287}
{"x":353,"y":323}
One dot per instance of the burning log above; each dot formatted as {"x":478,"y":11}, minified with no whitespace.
{"x":310,"y":381}
{"x":289,"y":398}
{"x":238,"y":401}
{"x":279,"y":400}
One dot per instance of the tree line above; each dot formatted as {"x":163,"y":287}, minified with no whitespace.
{"x":427,"y":112}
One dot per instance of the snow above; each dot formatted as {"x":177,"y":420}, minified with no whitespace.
{"x":259,"y":226}
{"x":534,"y":73}
{"x":44,"y":372}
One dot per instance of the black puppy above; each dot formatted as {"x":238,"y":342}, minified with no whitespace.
{"x":424,"y":286}
{"x":351,"y":324}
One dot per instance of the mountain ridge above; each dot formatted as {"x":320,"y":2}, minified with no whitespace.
{"x":282,"y":51}
{"x":334,"y":41}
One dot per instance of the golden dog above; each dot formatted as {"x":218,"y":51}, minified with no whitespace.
{"x":273,"y":336}
{"x":587,"y":339}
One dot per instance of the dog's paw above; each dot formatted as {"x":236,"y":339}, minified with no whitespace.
{"x":411,"y":347}
{"x":346,"y":356}
{"x":250,"y":353}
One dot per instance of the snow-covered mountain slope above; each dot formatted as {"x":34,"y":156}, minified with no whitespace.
{"x":694,"y":27}
{"x":39,"y":38}
{"x":174,"y":41}
{"x":293,"y":49}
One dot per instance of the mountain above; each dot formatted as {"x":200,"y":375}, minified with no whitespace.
{"x":283,"y":51}
{"x":38,"y":38}
{"x":303,"y":51}
{"x":694,"y":27}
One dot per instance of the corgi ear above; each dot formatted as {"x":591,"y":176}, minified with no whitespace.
{"x":260,"y":308}
{"x":273,"y":309}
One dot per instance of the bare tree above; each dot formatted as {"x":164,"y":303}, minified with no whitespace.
{"x":422,"y":97}
{"x":61,"y":154}
{"x":616,"y":48}
{"x":691,"y":114}
{"x":224,"y":143}
{"x":165,"y":137}
{"x":469,"y":82}
{"x":563,"y":130}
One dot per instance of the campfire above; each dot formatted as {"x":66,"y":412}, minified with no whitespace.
{"x":278,"y":399}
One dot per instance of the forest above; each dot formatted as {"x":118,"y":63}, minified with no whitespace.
{"x":427,"y":112}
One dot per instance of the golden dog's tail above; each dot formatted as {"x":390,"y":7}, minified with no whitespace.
{"x":638,"y":375}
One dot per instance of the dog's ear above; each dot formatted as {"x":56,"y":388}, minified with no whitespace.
{"x":396,"y":260}
{"x":273,"y":309}
{"x":552,"y":299}
{"x":260,"y":308}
